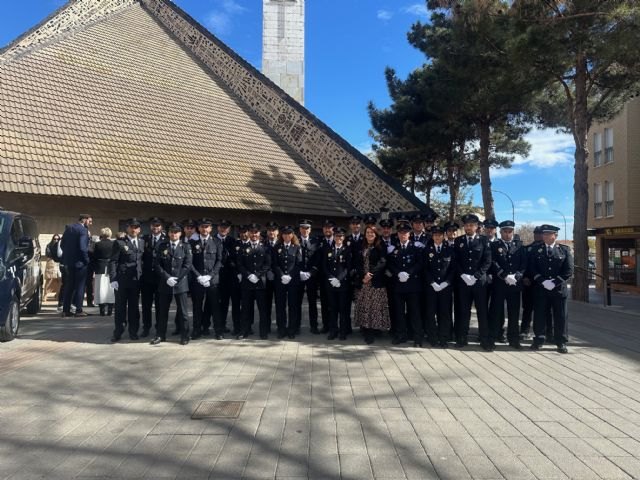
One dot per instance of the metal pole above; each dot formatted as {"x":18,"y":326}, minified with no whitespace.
{"x":565,"y":222}
{"x":513,"y":208}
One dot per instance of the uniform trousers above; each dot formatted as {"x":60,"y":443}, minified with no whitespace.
{"x":269,"y":292}
{"x":324,"y":304}
{"x":550,"y":306}
{"x":501,"y":293}
{"x":311,"y":287}
{"x":206,"y":306}
{"x":74,"y":286}
{"x":249,"y":296}
{"x":407,"y":308}
{"x":126,"y":309}
{"x":164,"y":302}
{"x":527,"y":308}
{"x":439,"y":305}
{"x":149,"y":298}
{"x":468,"y":296}
{"x":287,"y":299}
{"x":229,"y":293}
{"x":339,"y":303}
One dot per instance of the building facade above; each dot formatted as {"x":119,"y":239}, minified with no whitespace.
{"x":614,"y":193}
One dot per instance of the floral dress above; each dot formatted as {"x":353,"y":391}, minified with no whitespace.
{"x":372,"y":307}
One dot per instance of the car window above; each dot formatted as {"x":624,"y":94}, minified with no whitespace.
{"x":29,"y":227}
{"x":14,"y":238}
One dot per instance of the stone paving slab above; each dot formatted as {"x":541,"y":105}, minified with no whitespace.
{"x":75,"y":406}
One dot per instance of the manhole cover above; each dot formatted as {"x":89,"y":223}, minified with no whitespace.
{"x":217,"y":410}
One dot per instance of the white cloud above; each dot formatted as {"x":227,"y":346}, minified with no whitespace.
{"x":548,"y":149}
{"x":219,"y":20}
{"x":384,"y":15}
{"x":505,"y":172}
{"x":543,"y":202}
{"x":418,"y":9}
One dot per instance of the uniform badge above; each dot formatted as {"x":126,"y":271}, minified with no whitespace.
{"x":500,"y":250}
{"x":197,"y":247}
{"x":126,"y":248}
{"x":279,"y":250}
{"x":340,"y":259}
{"x":237,"y":248}
{"x":431,"y":255}
{"x":165,"y":253}
{"x":539,"y":250}
{"x":462,"y":245}
{"x":348,"y":243}
{"x":330,"y":255}
{"x":248,"y":250}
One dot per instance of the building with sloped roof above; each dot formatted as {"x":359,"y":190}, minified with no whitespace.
{"x":131,"y":108}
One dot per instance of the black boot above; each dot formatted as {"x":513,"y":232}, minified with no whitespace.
{"x":102,"y":310}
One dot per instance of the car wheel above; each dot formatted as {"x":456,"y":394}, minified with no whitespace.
{"x":10,"y":329}
{"x":36,"y":302}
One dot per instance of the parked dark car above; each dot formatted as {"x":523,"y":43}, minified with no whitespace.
{"x":20,"y":272}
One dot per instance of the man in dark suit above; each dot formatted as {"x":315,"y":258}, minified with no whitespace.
{"x":552,"y":267}
{"x":326,"y":242}
{"x":285,"y":264}
{"x":205,"y":278}
{"x":355,"y":238}
{"x":149,"y":283}
{"x":309,"y":273}
{"x":229,"y":288}
{"x":508,"y":264}
{"x":125,"y":272}
{"x":419,"y":236}
{"x":273,"y":230}
{"x":439,"y":277}
{"x":473,"y":260}
{"x":337,"y":266}
{"x":528,"y":288}
{"x":254,"y":261}
{"x":406,"y":264}
{"x":172,"y":265}
{"x":75,"y":257}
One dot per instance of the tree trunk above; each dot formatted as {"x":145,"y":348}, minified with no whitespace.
{"x":453,"y":184}
{"x":485,"y":175}
{"x":580,"y":284}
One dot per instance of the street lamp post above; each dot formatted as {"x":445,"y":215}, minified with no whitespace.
{"x":513,"y":208}
{"x":565,"y":222}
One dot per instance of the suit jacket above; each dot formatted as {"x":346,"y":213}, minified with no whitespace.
{"x":474,"y":259}
{"x":167,"y":264}
{"x":407,"y":260}
{"x":255,"y":261}
{"x":439,"y":267}
{"x":286,"y":262}
{"x":310,"y":255}
{"x":75,"y":246}
{"x":148,"y":273}
{"x":324,"y":246}
{"x":102,"y":256}
{"x":508,"y":261}
{"x":125,"y":266}
{"x":228,"y":260}
{"x":338,"y":264}
{"x":377,"y":266}
{"x":423,"y":238}
{"x":206,"y":260}
{"x":558,"y":267}
{"x":353,"y":244}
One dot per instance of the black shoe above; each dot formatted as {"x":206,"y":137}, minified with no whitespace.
{"x":562,"y":348}
{"x":235,"y":333}
{"x":176,"y":332}
{"x":184,"y":341}
{"x":417,"y":344}
{"x":515,"y":344}
{"x":460,"y":344}
{"x":292,"y":336}
{"x":281,"y":336}
{"x":501,"y":339}
{"x":332,"y":336}
{"x":535,"y":346}
{"x":342,"y":337}
{"x":314,"y":330}
{"x":133,"y":337}
{"x":443,"y":344}
{"x":102,"y":310}
{"x":398,"y":340}
{"x":264,"y":337}
{"x":219,"y":337}
{"x":155,"y":341}
{"x":115,"y":338}
{"x":368,"y":340}
{"x":206,"y":332}
{"x":109,"y":311}
{"x":433,"y":344}
{"x":145,"y":333}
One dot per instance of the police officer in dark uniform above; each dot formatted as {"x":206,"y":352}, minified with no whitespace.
{"x":229,"y":288}
{"x":254,"y":261}
{"x":430,"y":219}
{"x":172,"y":265}
{"x":204,"y":281}
{"x":355,"y":238}
{"x":285,"y":264}
{"x":309,"y":273}
{"x":270,"y":241}
{"x":326,"y":242}
{"x":552,"y":267}
{"x":508,"y":264}
{"x":439,"y":276}
{"x":125,"y":273}
{"x":406,"y":265}
{"x":490,"y":230}
{"x":149,"y":284}
{"x":419,"y":235}
{"x":390,"y":241}
{"x":527,"y":287}
{"x":473,"y":260}
{"x":451,"y":232}
{"x":337,"y":267}
{"x":243,"y":242}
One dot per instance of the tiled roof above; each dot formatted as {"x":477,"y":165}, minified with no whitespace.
{"x":108,"y":103}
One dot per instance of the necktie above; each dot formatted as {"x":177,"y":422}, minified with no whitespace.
{"x":304,"y":243}
{"x":204,"y":243}
{"x":154,"y":242}
{"x":549,"y":250}
{"x":286,"y":248}
{"x":438,"y":250}
{"x":508,"y":245}
{"x":135,"y":243}
{"x":469,"y":239}
{"x":173,"y":248}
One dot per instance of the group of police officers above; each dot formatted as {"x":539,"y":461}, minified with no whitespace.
{"x":433,"y":278}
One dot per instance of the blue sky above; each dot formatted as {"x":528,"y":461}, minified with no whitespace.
{"x":348,"y":45}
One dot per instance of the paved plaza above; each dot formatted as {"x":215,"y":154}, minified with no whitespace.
{"x":75,"y":406}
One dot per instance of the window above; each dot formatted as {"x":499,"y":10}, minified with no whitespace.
{"x":608,"y":199}
{"x":597,"y":149}
{"x":608,"y":145}
{"x":597,"y":204}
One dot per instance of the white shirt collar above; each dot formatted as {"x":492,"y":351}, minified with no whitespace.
{"x":132,"y":239}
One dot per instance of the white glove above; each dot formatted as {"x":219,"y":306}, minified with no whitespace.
{"x":444,"y":285}
{"x":390,"y":248}
{"x":489,"y":278}
{"x":549,"y":285}
{"x":511,"y":279}
{"x":252,"y":278}
{"x":419,"y":244}
{"x":435,"y":286}
{"x":114,"y":285}
{"x":285,"y":279}
{"x":206,"y":284}
{"x":470,"y":280}
{"x":270,"y":276}
{"x":202,"y":279}
{"x":304,"y":276}
{"x":334,"y":282}
{"x":172,"y":281}
{"x":239,"y":277}
{"x":403,"y":276}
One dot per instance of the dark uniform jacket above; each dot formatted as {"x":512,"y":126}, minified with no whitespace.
{"x":508,"y":261}
{"x":148,"y":273}
{"x":423,"y":238}
{"x":310,"y":255}
{"x":286,"y":262}
{"x":337,"y":263}
{"x":354,"y":244}
{"x":173,"y":264}
{"x":126,"y":262}
{"x":474,"y":259}
{"x":530,"y":249}
{"x":206,"y":260}
{"x":558,"y":267}
{"x":255,"y":261}
{"x":439,"y":267}
{"x":377,"y":266}
{"x":406,"y":260}
{"x":228,"y":261}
